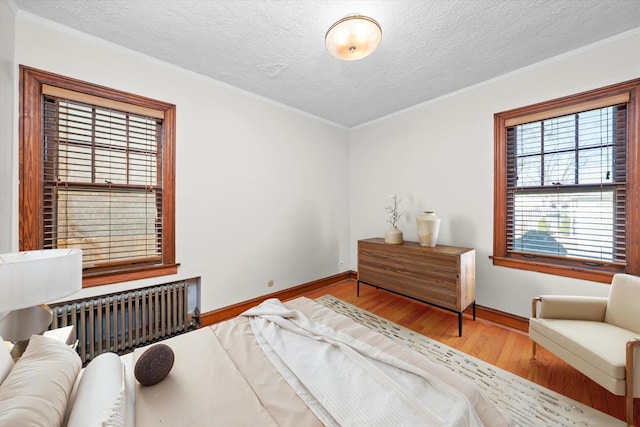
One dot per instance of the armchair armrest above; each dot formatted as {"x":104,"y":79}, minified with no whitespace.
{"x":570,"y":307}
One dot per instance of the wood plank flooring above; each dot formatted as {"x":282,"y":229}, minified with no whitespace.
{"x":506,"y":348}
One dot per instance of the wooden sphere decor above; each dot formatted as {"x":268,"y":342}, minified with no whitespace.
{"x":154,"y":364}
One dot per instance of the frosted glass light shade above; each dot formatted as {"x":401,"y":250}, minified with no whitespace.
{"x":31,"y":278}
{"x":353,"y":37}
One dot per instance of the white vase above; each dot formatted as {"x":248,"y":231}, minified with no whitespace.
{"x":428,"y":228}
{"x":393,"y":236}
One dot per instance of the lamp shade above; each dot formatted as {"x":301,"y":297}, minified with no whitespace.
{"x":353,"y":37}
{"x":31,"y":278}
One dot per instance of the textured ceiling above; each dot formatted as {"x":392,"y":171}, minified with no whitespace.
{"x":275,"y":48}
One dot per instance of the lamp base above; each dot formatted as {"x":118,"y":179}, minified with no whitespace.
{"x":18,"y":348}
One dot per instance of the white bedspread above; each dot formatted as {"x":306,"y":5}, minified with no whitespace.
{"x":348,"y":382}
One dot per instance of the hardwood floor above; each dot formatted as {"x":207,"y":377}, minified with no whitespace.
{"x":506,"y":348}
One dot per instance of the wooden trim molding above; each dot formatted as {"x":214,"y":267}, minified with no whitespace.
{"x":501,"y":318}
{"x":134,"y":274}
{"x":230,"y":311}
{"x":558,"y":270}
{"x":591,"y":104}
{"x":85,"y":98}
{"x":486,"y":313}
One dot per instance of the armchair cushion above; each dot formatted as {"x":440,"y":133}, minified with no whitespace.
{"x":573,"y":307}
{"x":596,"y":345}
{"x":622,"y":309}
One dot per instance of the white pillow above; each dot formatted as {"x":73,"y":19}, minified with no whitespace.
{"x":37,"y":389}
{"x":101,"y":396}
{"x":6,"y":361}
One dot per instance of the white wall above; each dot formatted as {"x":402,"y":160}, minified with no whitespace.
{"x":265,"y":192}
{"x":439,"y":156}
{"x":261,"y":189}
{"x":8,"y":118}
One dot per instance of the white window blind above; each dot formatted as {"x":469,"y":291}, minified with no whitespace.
{"x":566,"y":179}
{"x":102,"y":183}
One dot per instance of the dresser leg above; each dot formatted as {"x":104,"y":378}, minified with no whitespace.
{"x":358,"y":288}
{"x":460,"y":324}
{"x":474,"y":310}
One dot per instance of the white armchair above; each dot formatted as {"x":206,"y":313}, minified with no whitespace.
{"x":598,"y":336}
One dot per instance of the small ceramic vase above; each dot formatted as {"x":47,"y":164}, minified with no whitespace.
{"x":393,"y":236}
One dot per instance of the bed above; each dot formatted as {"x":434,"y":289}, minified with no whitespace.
{"x":281,"y":364}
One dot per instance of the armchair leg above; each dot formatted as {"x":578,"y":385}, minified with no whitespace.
{"x":534,"y":314}
{"x":632,"y":345}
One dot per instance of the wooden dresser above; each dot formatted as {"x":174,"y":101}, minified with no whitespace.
{"x":443,"y":276}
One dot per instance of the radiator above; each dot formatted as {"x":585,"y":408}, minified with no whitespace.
{"x":121,"y":322}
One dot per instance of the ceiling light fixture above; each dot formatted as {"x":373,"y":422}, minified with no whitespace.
{"x":353,"y":37}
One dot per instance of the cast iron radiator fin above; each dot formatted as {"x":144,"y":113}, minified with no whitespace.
{"x":121,"y":322}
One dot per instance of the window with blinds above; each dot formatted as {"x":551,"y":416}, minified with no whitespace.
{"x":567,"y":185}
{"x":102,"y":183}
{"x":97,"y":172}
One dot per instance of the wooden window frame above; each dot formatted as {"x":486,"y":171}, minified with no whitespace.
{"x":30,"y":168}
{"x":629,"y":90}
